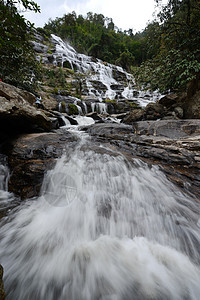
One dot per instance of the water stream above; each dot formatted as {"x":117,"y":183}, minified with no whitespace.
{"x":105,"y":227}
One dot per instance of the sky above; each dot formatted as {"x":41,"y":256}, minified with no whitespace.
{"x":126,"y":14}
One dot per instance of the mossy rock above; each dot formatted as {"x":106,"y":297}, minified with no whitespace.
{"x":67,"y":64}
{"x":73,"y":110}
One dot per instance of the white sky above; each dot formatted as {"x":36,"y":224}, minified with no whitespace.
{"x":126,"y":14}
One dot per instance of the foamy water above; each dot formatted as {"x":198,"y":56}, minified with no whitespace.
{"x":103,"y":228}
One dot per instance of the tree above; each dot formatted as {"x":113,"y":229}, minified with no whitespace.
{"x":97,"y":35}
{"x":17,"y":64}
{"x":177,"y":55}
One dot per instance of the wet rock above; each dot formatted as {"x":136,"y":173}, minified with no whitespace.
{"x":31,"y":155}
{"x":71,"y":120}
{"x":117,"y":87}
{"x":99,"y":86}
{"x":94,"y":116}
{"x":2,"y":292}
{"x":118,"y":75}
{"x":110,"y":131}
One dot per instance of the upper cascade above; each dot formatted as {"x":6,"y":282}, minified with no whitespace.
{"x":103,"y":80}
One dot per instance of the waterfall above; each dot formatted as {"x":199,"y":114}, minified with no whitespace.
{"x":85,"y":107}
{"x":60,"y":107}
{"x":105,"y":227}
{"x":7,"y":199}
{"x":66,"y":121}
{"x":98,"y":71}
{"x":100,"y":107}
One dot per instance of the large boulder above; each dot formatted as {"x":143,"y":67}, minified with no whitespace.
{"x":17,"y":111}
{"x":31,"y":155}
{"x":153,"y":111}
{"x":134,"y":116}
{"x":184,"y":106}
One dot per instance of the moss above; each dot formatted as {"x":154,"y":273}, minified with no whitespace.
{"x":55,"y":91}
{"x":110,"y":101}
{"x":132,"y":104}
{"x":67,"y":64}
{"x":50,"y":73}
{"x":73,"y":110}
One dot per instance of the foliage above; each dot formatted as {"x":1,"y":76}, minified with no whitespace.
{"x":17,"y":64}
{"x":176,"y":59}
{"x":98,"y":36}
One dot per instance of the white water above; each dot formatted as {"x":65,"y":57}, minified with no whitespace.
{"x":101,"y":72}
{"x":6,"y":198}
{"x":103,"y":228}
{"x":99,"y":107}
{"x":83,"y":120}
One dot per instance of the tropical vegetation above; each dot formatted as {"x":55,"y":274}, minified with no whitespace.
{"x":164,"y":56}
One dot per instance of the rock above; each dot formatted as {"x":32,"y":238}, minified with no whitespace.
{"x":117,"y":87}
{"x":179,"y":112}
{"x":2,"y":292}
{"x":71,"y":120}
{"x":110,"y":131}
{"x":118,"y":75}
{"x":134,"y":116}
{"x":192,"y":107}
{"x":169,"y":100}
{"x":184,"y":105}
{"x":16,"y":113}
{"x":99,"y":86}
{"x":154,"y":111}
{"x":94,"y":116}
{"x":119,"y":116}
{"x":31,"y":155}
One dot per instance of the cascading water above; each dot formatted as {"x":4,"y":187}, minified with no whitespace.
{"x":99,"y":72}
{"x":7,"y":199}
{"x":104,"y":227}
{"x":99,"y":107}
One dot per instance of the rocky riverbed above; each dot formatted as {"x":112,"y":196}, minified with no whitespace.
{"x":31,"y":141}
{"x":173,"y":145}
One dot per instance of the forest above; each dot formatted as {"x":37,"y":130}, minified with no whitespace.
{"x":164,"y":56}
